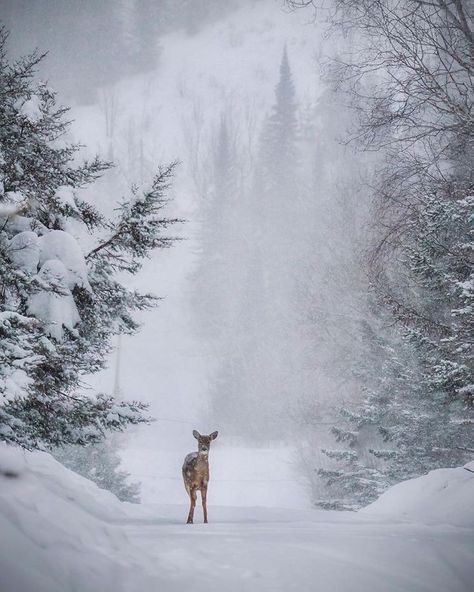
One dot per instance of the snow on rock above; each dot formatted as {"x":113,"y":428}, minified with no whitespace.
{"x":55,"y":309}
{"x":60,"y":245}
{"x":443,"y":496}
{"x":24,"y":250}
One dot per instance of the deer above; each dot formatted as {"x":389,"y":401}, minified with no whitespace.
{"x":196,"y":473}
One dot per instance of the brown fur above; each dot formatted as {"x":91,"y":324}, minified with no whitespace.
{"x":196,"y":473}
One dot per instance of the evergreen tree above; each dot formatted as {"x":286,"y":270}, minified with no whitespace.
{"x":279,"y":138}
{"x":255,"y":245}
{"x":100,"y":463}
{"x":421,"y":405}
{"x":215,"y":277}
{"x":61,"y":300}
{"x":274,"y":257}
{"x":277,"y":184}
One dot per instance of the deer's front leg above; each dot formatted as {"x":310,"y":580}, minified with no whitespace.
{"x":192,"y":497}
{"x":204,"y":502}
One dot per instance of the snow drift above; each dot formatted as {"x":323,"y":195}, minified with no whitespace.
{"x":58,"y":531}
{"x":443,"y":496}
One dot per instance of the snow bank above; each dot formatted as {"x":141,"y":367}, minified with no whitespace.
{"x":57,"y":528}
{"x":444,"y":496}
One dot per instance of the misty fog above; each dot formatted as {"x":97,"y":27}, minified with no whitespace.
{"x":268,"y":258}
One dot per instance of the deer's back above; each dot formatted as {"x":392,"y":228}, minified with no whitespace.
{"x":190,"y":461}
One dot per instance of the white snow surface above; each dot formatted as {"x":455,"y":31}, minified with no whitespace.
{"x":444,"y":496}
{"x":62,"y":533}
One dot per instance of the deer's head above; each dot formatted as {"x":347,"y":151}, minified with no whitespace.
{"x":204,"y":442}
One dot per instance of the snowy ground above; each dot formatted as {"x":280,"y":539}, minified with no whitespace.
{"x":61,"y":533}
{"x":268,"y":549}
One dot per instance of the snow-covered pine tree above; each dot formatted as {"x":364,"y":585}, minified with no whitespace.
{"x":428,"y":422}
{"x":420,"y":401}
{"x":274,"y":259}
{"x":423,"y":404}
{"x":359,"y":468}
{"x":100,"y":463}
{"x":278,"y":147}
{"x":257,"y":249}
{"x":61,"y":299}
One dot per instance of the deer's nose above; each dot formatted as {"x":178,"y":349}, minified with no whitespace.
{"x":204,"y":448}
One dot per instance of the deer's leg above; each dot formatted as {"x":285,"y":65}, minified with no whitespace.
{"x":204,"y":502}
{"x":192,"y":498}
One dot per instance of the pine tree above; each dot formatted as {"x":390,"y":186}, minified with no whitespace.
{"x":422,"y":404}
{"x":257,"y":249}
{"x":61,"y":300}
{"x":277,"y":185}
{"x":217,"y":279}
{"x":278,"y":153}
{"x":100,"y":463}
{"x":215,"y":276}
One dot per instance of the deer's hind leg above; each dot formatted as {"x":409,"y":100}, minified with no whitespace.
{"x":192,"y":498}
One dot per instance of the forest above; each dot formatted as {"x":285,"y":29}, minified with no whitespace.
{"x":250,"y":218}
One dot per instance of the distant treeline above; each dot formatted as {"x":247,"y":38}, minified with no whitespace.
{"x":92,"y":43}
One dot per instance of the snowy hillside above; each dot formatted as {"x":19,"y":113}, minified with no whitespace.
{"x":60,"y":533}
{"x":230,"y":66}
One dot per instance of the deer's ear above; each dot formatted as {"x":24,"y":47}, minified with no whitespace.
{"x":196,"y":434}
{"x":213,"y":436}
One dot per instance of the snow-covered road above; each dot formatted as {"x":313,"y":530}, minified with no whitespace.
{"x":61,"y":533}
{"x":260,"y":549}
